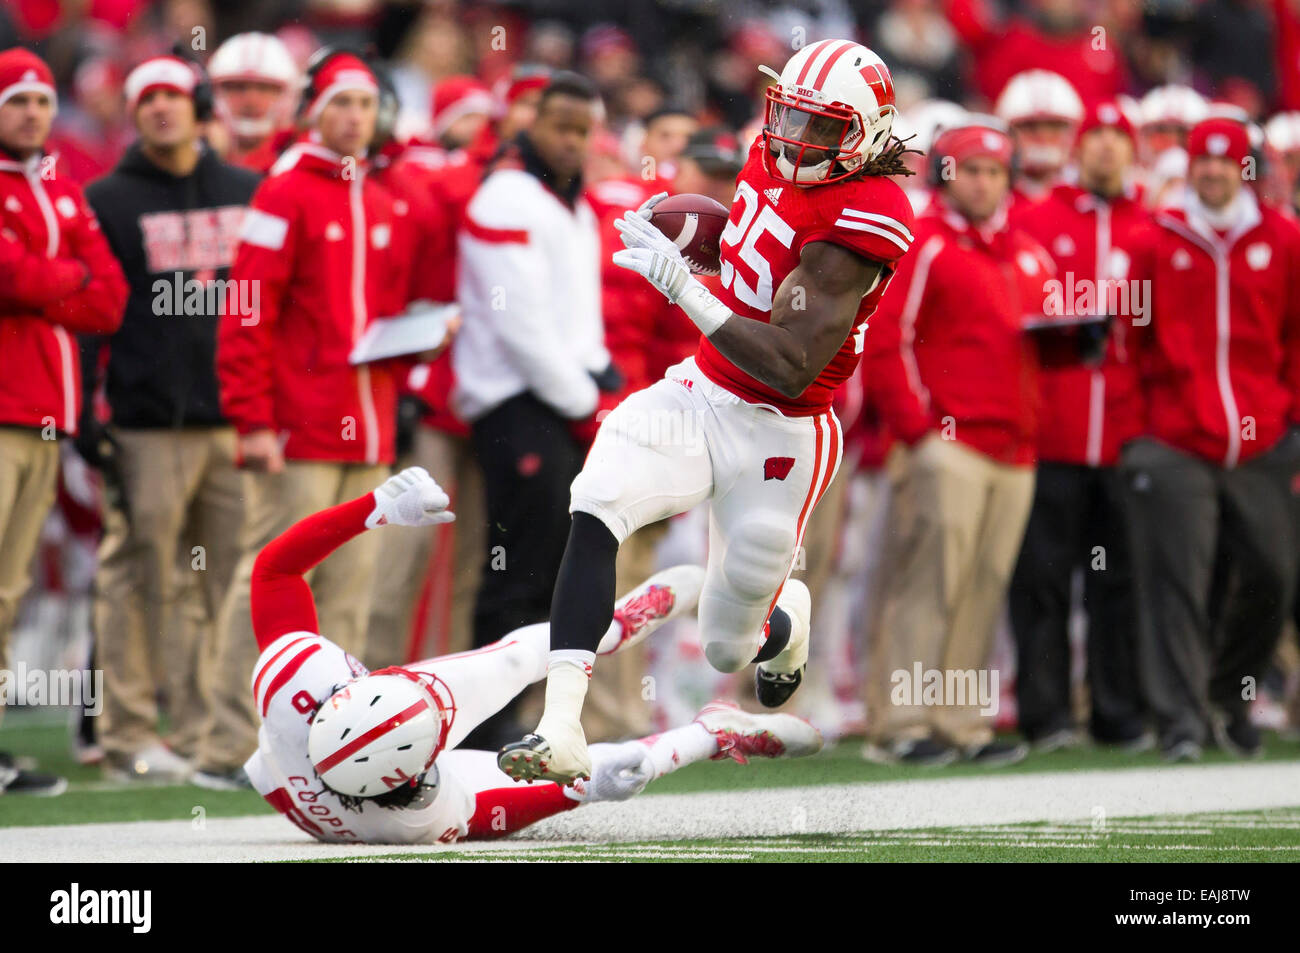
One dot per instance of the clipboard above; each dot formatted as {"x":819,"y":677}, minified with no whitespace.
{"x":422,"y":327}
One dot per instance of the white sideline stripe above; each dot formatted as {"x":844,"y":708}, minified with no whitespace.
{"x":1058,"y":797}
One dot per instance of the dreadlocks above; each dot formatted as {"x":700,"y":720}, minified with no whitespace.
{"x":890,"y":160}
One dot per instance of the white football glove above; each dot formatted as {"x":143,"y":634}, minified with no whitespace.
{"x":618,"y":772}
{"x":637,"y":232}
{"x":647,"y":207}
{"x":410,"y":498}
{"x":668,"y":273}
{"x":652,"y":254}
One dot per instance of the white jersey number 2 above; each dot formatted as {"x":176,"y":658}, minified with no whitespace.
{"x":746,"y":233}
{"x":752,"y":226}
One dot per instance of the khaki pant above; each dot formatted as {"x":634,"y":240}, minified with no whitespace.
{"x":341,"y":585}
{"x":617,"y":707}
{"x":181,"y":492}
{"x":957,"y":518}
{"x":29,"y":472}
{"x":417,"y":570}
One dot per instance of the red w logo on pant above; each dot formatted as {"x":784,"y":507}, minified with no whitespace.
{"x":777,"y":468}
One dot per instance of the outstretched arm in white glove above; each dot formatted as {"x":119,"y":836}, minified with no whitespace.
{"x":281,"y":600}
{"x":410,"y":498}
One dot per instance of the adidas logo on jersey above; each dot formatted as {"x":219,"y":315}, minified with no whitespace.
{"x":774,"y":194}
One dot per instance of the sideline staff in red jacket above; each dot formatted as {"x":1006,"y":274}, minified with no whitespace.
{"x":1087,"y":413}
{"x":57,"y":278}
{"x":1220,"y":370}
{"x":955,"y":376}
{"x":328,"y":250}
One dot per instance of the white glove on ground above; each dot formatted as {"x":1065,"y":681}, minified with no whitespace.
{"x":410,"y":498}
{"x":618,"y":771}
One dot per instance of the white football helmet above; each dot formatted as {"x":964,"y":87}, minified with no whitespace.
{"x":256,"y":57}
{"x":1039,"y":95}
{"x":380,"y":732}
{"x":832,"y":104}
{"x":1172,"y":105}
{"x":1283,"y":132}
{"x":926,"y":120}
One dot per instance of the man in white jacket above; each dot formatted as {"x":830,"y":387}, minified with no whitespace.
{"x":530,"y":359}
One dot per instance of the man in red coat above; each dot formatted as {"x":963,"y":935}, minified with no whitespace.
{"x":955,"y":377}
{"x":329,"y":251}
{"x":57,"y":278}
{"x":1208,"y":484}
{"x":1087,"y":412}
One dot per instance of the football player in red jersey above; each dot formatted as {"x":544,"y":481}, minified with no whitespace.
{"x":815,"y":232}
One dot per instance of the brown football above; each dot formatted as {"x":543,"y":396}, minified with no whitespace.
{"x":695,"y":224}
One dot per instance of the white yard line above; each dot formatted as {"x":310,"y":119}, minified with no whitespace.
{"x":1057,"y":798}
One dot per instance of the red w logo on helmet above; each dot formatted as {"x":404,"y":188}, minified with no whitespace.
{"x":881,"y":83}
{"x":777,"y":468}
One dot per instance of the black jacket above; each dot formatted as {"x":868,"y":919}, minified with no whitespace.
{"x":173,"y":235}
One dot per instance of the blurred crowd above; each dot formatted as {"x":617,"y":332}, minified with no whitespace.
{"x":1126,"y":572}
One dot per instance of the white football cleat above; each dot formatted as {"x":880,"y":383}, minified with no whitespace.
{"x":742,"y":736}
{"x":556,"y":751}
{"x":665,"y":595}
{"x":778,"y":678}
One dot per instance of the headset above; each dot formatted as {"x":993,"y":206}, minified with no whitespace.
{"x":202,"y":94}
{"x":322,"y":57}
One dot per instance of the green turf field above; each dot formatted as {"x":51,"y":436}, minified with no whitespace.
{"x":1262,"y":835}
{"x":90,"y":799}
{"x":1249,"y":836}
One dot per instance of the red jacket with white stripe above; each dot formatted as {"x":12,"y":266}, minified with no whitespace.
{"x":58,"y":277}
{"x":1087,"y":413}
{"x":1220,"y":357}
{"x":329,"y":251}
{"x":947,"y":350}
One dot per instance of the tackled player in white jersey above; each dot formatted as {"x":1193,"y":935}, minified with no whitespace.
{"x":354,"y":756}
{"x":815,"y":232}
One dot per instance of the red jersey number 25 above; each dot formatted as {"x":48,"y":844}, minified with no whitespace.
{"x":745,"y":233}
